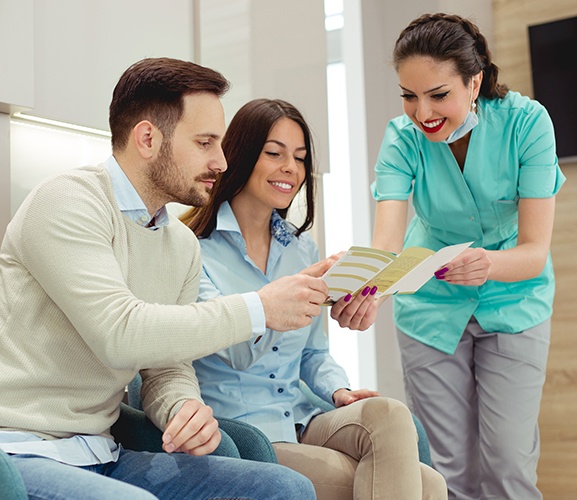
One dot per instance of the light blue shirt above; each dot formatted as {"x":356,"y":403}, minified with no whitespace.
{"x":129,"y":201}
{"x":511,"y":155}
{"x":90,"y":450}
{"x":258,"y":382}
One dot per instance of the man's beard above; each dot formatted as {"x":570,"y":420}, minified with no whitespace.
{"x":165,"y":176}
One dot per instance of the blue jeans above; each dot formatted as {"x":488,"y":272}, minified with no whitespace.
{"x":145,"y":476}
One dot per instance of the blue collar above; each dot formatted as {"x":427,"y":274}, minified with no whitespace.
{"x":128,"y":200}
{"x":281,"y":230}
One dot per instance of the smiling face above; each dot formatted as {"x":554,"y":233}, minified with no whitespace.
{"x":190,"y":160}
{"x":434,"y":95}
{"x":280,"y":169}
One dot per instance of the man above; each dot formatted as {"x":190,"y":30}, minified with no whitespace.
{"x":98,"y":282}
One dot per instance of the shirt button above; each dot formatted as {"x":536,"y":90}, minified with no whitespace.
{"x":272,"y":375}
{"x":471,"y":218}
{"x":287,"y":413}
{"x":275,"y":348}
{"x":280,"y":390}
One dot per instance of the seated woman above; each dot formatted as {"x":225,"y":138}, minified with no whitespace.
{"x":367,"y":447}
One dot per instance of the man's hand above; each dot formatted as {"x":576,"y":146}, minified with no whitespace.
{"x":291,"y":302}
{"x":344,"y":397}
{"x":358,"y":313}
{"x":319,"y":268}
{"x":192,"y":430}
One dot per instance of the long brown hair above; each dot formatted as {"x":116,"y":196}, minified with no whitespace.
{"x":445,"y":37}
{"x":242,"y":145}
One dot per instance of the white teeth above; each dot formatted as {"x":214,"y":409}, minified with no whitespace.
{"x":282,"y":185}
{"x":434,"y":124}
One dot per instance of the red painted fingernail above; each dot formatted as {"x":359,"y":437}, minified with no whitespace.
{"x":348,"y":297}
{"x":374,"y":290}
{"x":366,"y":291}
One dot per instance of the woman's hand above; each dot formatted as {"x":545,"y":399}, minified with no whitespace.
{"x":470,"y":268}
{"x":357,"y":313}
{"x":344,"y":397}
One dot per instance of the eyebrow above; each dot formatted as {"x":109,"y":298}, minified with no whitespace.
{"x":435,"y":89}
{"x":282,"y":144}
{"x":208,"y":134}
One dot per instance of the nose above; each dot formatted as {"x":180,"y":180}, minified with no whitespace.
{"x":290,"y":166}
{"x":423,"y":111}
{"x":218,"y":163}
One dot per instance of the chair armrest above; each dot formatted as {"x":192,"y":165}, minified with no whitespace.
{"x":135,"y":431}
{"x":11,"y":484}
{"x":251,"y":442}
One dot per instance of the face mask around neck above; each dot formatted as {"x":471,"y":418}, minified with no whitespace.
{"x":471,"y":121}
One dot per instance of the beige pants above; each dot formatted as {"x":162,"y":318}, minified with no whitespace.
{"x":367,"y":450}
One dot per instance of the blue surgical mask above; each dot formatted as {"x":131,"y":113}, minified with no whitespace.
{"x":471,"y":121}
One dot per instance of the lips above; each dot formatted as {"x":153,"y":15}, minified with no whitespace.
{"x":208,"y":180}
{"x":433,"y":126}
{"x":282,"y":186}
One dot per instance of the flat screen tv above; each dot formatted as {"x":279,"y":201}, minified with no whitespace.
{"x":553,"y":48}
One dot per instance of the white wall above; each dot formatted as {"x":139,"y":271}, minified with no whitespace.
{"x":82,"y":47}
{"x":5,"y":183}
{"x":17,"y":66}
{"x":275,"y":49}
{"x":16,"y":84}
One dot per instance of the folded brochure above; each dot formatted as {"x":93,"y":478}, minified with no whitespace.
{"x":406,"y":272}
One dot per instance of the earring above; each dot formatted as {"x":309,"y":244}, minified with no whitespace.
{"x":473,"y":106}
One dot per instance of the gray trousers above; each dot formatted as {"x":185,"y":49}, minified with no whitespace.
{"x":480,"y":408}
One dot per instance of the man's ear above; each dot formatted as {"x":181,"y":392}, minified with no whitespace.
{"x":147,"y":139}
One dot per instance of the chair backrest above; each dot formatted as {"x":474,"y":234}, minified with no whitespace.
{"x":134,"y":392}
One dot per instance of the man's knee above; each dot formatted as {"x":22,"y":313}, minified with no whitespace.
{"x":290,"y":484}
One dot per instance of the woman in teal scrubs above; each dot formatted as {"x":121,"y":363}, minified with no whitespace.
{"x":480,"y":163}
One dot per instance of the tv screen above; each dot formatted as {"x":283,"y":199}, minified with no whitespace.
{"x":553,"y":48}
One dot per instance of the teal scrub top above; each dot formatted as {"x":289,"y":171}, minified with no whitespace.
{"x":511,"y":155}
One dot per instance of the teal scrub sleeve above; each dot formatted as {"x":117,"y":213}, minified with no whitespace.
{"x":540,"y":175}
{"x":394,"y":171}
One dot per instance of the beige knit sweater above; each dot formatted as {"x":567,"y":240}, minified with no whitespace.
{"x":87,"y":299}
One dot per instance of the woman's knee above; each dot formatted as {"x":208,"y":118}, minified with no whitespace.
{"x":434,"y":485}
{"x":386,"y":413}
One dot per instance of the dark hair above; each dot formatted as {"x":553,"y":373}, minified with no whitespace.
{"x":153,"y":89}
{"x":242,"y":145}
{"x":445,"y":37}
